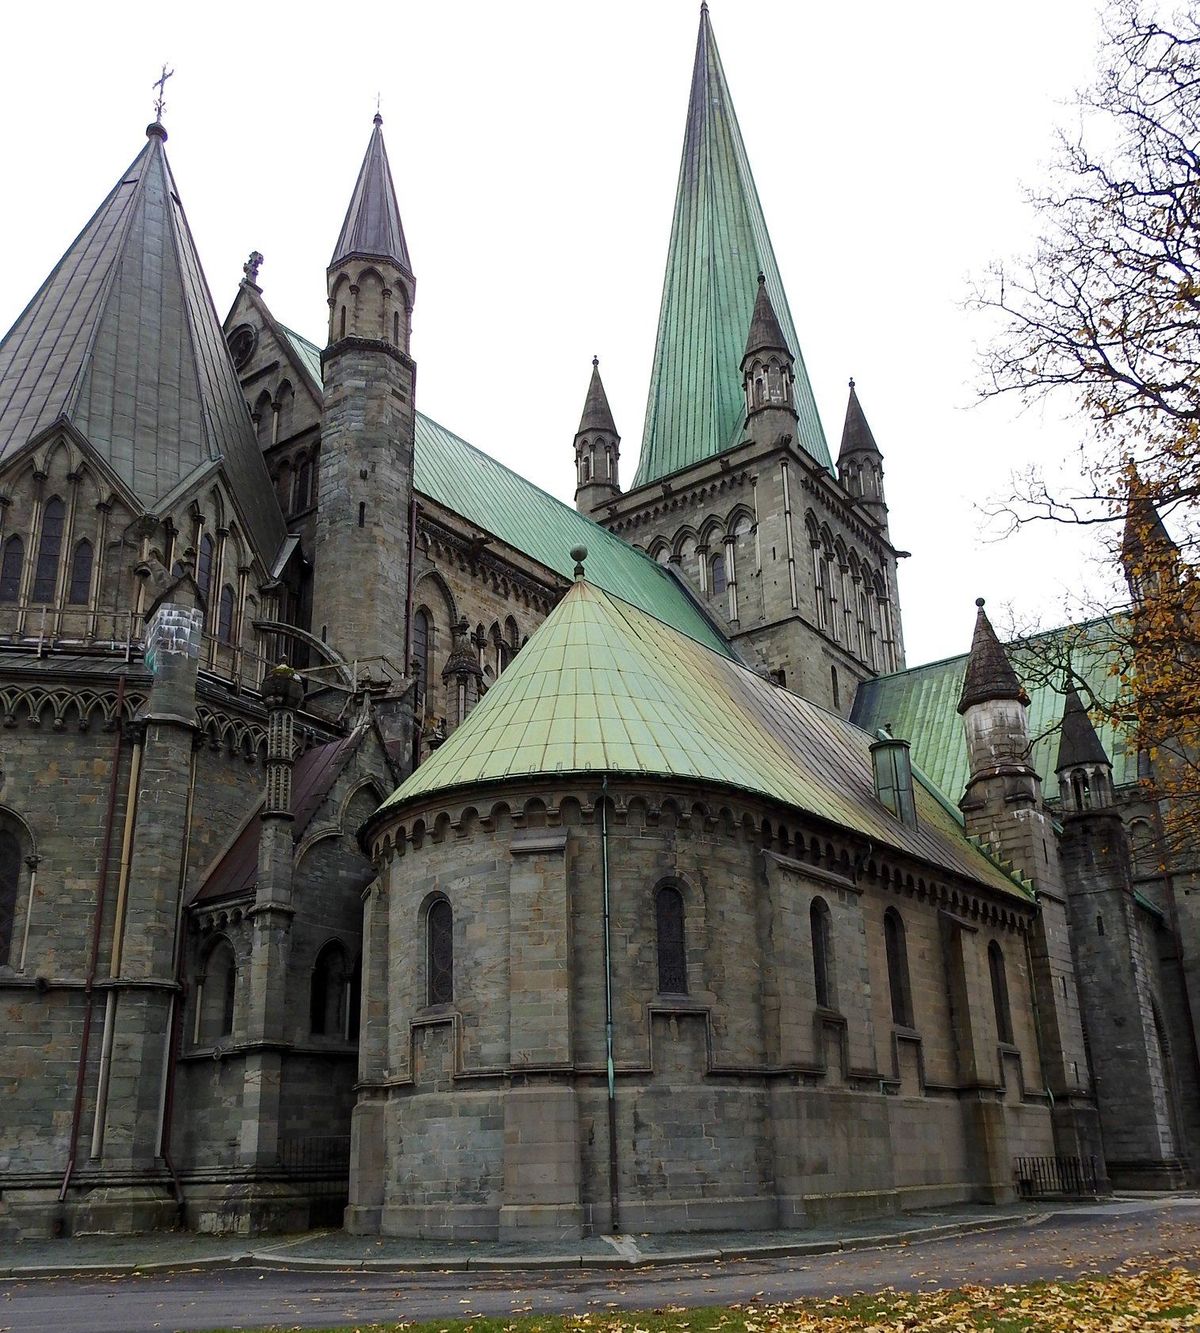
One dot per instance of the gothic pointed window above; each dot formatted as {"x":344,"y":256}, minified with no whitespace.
{"x":328,"y":993}
{"x":80,"y":586}
{"x":718,"y":582}
{"x":896,"y":950}
{"x":440,"y":932}
{"x":420,"y":649}
{"x":225,"y":615}
{"x":10,"y":569}
{"x":304,"y":497}
{"x":204,"y":566}
{"x":10,"y":884}
{"x":821,"y":924}
{"x":1004,"y":1027}
{"x":45,"y":575}
{"x":672,"y":953}
{"x":216,"y":994}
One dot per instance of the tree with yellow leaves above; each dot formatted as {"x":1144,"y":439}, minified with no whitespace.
{"x":1107,"y":310}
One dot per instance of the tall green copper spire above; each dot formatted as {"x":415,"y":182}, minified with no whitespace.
{"x":719,"y":244}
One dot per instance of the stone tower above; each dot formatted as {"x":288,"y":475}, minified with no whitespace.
{"x":768,"y":374}
{"x":1111,"y":963}
{"x":361,"y":556}
{"x":597,"y":450}
{"x":860,"y":464}
{"x":1002,"y":807}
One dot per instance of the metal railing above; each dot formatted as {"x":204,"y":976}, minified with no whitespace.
{"x":319,"y":1165}
{"x":1046,"y":1177}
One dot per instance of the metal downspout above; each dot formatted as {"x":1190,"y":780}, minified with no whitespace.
{"x":613,"y":1200}
{"x":97,"y":921}
{"x":114,"y":966}
{"x":175,"y":1010}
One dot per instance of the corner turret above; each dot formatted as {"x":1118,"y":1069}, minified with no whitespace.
{"x":597,"y":450}
{"x":1083,"y":768}
{"x":768,"y":374}
{"x":860,"y":464}
{"x":361,"y":545}
{"x":1149,"y":556}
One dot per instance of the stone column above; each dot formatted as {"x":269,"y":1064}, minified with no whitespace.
{"x":271,"y":928}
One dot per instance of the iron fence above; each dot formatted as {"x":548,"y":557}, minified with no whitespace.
{"x":1043,"y":1177}
{"x":319,"y":1165}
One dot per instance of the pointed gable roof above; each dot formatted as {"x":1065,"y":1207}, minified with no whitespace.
{"x":989,"y":673}
{"x":122,"y":341}
{"x":1078,"y":742}
{"x":372,"y":226}
{"x":602,"y":687}
{"x":719,"y":245}
{"x":765,"y":334}
{"x":856,"y":433}
{"x":597,"y":415}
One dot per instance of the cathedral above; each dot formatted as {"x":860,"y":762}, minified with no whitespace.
{"x":385,"y":842}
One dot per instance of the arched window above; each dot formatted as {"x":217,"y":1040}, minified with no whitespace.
{"x":1142,"y":846}
{"x":821,"y":923}
{"x":512,"y":634}
{"x":304,"y":485}
{"x":585,"y":469}
{"x":10,"y":885}
{"x":81,"y":574}
{"x":264,"y":425}
{"x":440,"y":951}
{"x":45,"y":574}
{"x":10,"y":569}
{"x":216,"y":996}
{"x":672,"y":955}
{"x":1081,"y":790}
{"x":328,"y":993}
{"x":718,"y":582}
{"x":225,"y":615}
{"x":897,"y":965}
{"x":342,"y":324}
{"x":396,"y":327}
{"x":204,"y":566}
{"x":1004,"y":1027}
{"x":420,"y":649}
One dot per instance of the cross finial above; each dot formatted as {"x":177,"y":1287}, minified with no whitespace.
{"x":161,"y":84}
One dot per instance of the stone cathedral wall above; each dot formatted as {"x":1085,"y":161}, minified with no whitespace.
{"x":739,"y":1102}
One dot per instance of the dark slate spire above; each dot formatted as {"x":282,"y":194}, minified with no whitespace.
{"x":1078,"y":743}
{"x":765,"y":334}
{"x":989,"y":673}
{"x":1144,"y":530}
{"x":372,"y":226}
{"x":122,"y":342}
{"x":597,"y":415}
{"x":856,"y":433}
{"x":719,"y":245}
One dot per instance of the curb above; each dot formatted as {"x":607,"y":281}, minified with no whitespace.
{"x":273,"y":1261}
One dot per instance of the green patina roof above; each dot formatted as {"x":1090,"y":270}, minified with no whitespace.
{"x":493,"y":497}
{"x":603,"y":687}
{"x":719,"y":244}
{"x":921,"y":705}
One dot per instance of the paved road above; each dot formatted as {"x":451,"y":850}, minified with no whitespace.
{"x":1094,"y":1239}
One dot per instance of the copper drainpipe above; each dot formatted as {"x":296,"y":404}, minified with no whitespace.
{"x":175,"y":1019}
{"x":613,"y":1177}
{"x":97,"y":921}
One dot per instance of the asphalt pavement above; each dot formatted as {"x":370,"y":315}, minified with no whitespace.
{"x":1061,"y":1245}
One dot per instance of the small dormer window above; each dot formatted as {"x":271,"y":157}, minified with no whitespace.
{"x":893,"y":778}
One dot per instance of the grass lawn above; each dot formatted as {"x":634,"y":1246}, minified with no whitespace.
{"x":1152,"y":1299}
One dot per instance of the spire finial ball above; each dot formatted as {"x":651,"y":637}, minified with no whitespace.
{"x":595,"y":361}
{"x":979,"y":602}
{"x":852,"y":381}
{"x":579,"y":555}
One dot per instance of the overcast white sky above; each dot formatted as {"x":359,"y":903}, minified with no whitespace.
{"x":535,"y":146}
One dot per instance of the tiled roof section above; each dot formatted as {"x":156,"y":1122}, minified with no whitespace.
{"x":856,"y":433}
{"x":313,"y":777}
{"x":989,"y":673}
{"x":122,"y":341}
{"x":597,"y":415}
{"x":921,"y":705}
{"x":1078,"y":742}
{"x":719,"y":245}
{"x":475,"y":485}
{"x":469,"y":482}
{"x":372,"y":226}
{"x":601,"y":687}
